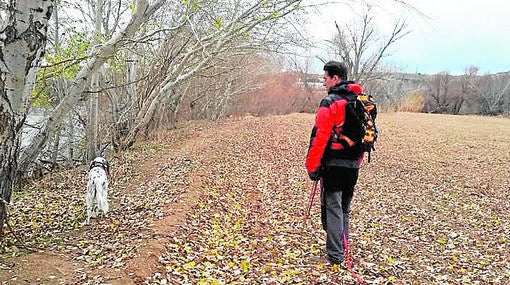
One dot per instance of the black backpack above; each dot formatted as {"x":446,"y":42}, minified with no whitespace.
{"x":364,"y":108}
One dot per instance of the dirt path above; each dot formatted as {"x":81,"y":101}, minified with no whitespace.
{"x":54,"y":267}
{"x":149,"y":162}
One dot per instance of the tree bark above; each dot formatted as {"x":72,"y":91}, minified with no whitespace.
{"x":23,"y":40}
{"x":93,"y":120}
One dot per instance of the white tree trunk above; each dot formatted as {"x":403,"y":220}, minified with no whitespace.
{"x":22,"y":41}
{"x":92,"y":124}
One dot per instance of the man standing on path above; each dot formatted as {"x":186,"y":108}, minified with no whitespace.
{"x":335,"y":155}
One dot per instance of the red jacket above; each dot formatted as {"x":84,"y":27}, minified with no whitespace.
{"x":336,"y":136}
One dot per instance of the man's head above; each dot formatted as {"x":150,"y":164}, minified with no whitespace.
{"x":334,"y":73}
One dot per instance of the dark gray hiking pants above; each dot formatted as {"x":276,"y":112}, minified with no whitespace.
{"x":337,"y":194}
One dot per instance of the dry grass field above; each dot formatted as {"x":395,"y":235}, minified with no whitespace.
{"x":224,"y":203}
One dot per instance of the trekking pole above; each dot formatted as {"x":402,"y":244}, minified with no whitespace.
{"x":312,"y":195}
{"x":348,"y":261}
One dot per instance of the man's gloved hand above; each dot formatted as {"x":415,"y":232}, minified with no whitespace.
{"x":315,"y":176}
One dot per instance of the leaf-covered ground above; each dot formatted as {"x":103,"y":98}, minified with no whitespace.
{"x":224,"y":203}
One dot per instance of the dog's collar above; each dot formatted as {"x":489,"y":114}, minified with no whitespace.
{"x":105,"y":167}
{"x":98,"y":164}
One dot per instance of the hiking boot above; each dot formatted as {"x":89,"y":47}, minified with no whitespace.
{"x":324,"y":260}
{"x":318,"y":259}
{"x":334,"y":262}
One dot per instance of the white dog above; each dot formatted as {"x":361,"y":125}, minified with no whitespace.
{"x":97,"y":187}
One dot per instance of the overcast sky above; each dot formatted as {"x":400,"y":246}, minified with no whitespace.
{"x":453,"y":34}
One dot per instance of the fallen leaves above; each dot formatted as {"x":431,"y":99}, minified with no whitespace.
{"x":431,"y":208}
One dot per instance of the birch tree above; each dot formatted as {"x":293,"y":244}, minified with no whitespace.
{"x":100,"y":20}
{"x":143,"y":10}
{"x":23,"y":38}
{"x":94,"y":96}
{"x":77,"y":26}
